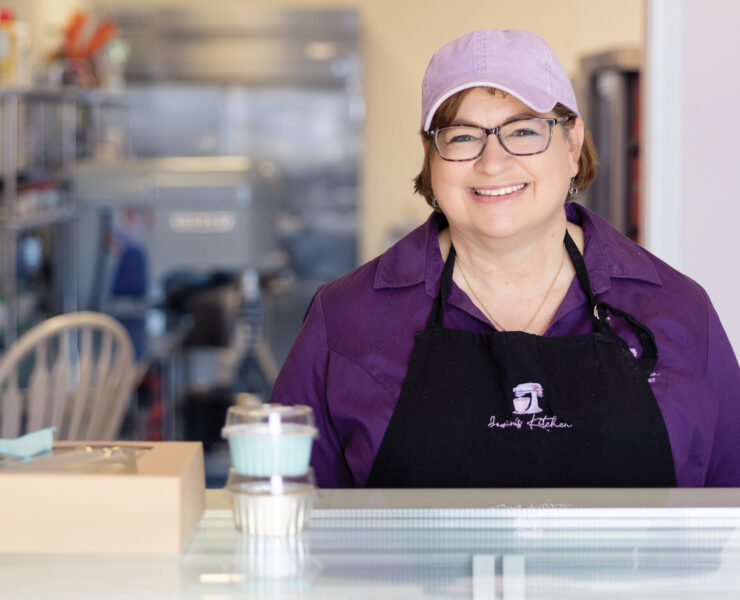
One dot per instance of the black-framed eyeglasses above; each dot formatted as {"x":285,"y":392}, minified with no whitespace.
{"x":522,"y":137}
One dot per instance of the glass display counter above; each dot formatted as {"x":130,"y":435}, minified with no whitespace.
{"x":479,"y":544}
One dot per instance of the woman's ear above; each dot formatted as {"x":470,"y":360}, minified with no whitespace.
{"x":575,"y":135}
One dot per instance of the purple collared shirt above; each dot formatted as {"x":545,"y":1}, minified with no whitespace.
{"x":350,"y":358}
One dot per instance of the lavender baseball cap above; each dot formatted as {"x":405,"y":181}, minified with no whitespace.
{"x":514,"y":61}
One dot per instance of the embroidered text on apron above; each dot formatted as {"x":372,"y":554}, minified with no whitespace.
{"x":512,"y":409}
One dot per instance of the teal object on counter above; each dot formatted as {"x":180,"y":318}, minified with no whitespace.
{"x":28,"y":445}
{"x":261,"y":453}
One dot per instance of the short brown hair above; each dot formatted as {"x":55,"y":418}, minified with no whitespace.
{"x":587,"y":161}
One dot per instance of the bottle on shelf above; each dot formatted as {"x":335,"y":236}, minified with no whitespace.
{"x":15,"y":50}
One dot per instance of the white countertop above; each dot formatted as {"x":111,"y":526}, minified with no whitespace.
{"x":408,"y":544}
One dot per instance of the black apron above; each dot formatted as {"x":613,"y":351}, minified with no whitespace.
{"x":512,"y":409}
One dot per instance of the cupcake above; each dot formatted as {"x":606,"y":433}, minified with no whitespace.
{"x":270,"y":439}
{"x":271,"y":506}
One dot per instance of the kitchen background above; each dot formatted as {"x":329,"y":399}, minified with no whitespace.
{"x":222,"y":161}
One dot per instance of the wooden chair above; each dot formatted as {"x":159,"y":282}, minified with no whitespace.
{"x":74,"y":371}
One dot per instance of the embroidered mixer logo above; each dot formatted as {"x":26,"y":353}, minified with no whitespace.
{"x":526,"y":403}
{"x":525,"y":399}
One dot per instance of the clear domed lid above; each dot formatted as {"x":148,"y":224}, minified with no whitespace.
{"x":269,"y":419}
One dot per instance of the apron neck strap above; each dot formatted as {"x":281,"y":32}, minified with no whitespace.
{"x":436,"y":315}
{"x":579,"y":265}
{"x":649,"y":357}
{"x":600,"y":317}
{"x":602,"y":322}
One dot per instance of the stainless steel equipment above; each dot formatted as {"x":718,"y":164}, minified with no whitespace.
{"x":238,"y":43}
{"x":278,"y":83}
{"x":246,"y":122}
{"x":213,"y":212}
{"x":611,"y":103}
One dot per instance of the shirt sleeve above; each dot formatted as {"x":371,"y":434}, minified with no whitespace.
{"x":303,"y":380}
{"x":723,"y":377}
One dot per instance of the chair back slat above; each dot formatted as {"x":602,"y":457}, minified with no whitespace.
{"x":59,"y":388}
{"x":86,"y":390}
{"x":102,"y":378}
{"x":79,"y":403}
{"x":10,"y":424}
{"x":38,"y":389}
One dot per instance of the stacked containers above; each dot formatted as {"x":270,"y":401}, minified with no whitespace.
{"x":271,"y":485}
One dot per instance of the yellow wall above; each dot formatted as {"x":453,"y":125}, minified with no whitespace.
{"x":398,"y":38}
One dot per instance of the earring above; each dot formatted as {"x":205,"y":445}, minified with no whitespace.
{"x":572,"y":191}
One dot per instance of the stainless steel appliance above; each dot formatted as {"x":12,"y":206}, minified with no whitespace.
{"x":203,"y":213}
{"x":611,"y":102}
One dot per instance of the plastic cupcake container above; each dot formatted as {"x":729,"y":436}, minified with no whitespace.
{"x":272,"y":557}
{"x":271,"y":506}
{"x":270,"y":439}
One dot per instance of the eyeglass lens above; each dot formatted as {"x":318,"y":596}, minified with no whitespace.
{"x":463,"y":142}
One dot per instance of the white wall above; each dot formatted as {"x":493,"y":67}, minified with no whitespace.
{"x":693,"y":208}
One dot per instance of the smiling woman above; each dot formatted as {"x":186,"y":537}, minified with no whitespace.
{"x":514,"y":202}
{"x":446,"y":113}
{"x":515,"y":339}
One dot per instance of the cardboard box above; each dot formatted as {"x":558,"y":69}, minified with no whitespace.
{"x":150,"y":505}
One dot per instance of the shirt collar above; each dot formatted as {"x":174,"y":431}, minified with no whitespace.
{"x":415,"y":259}
{"x":608,"y":254}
